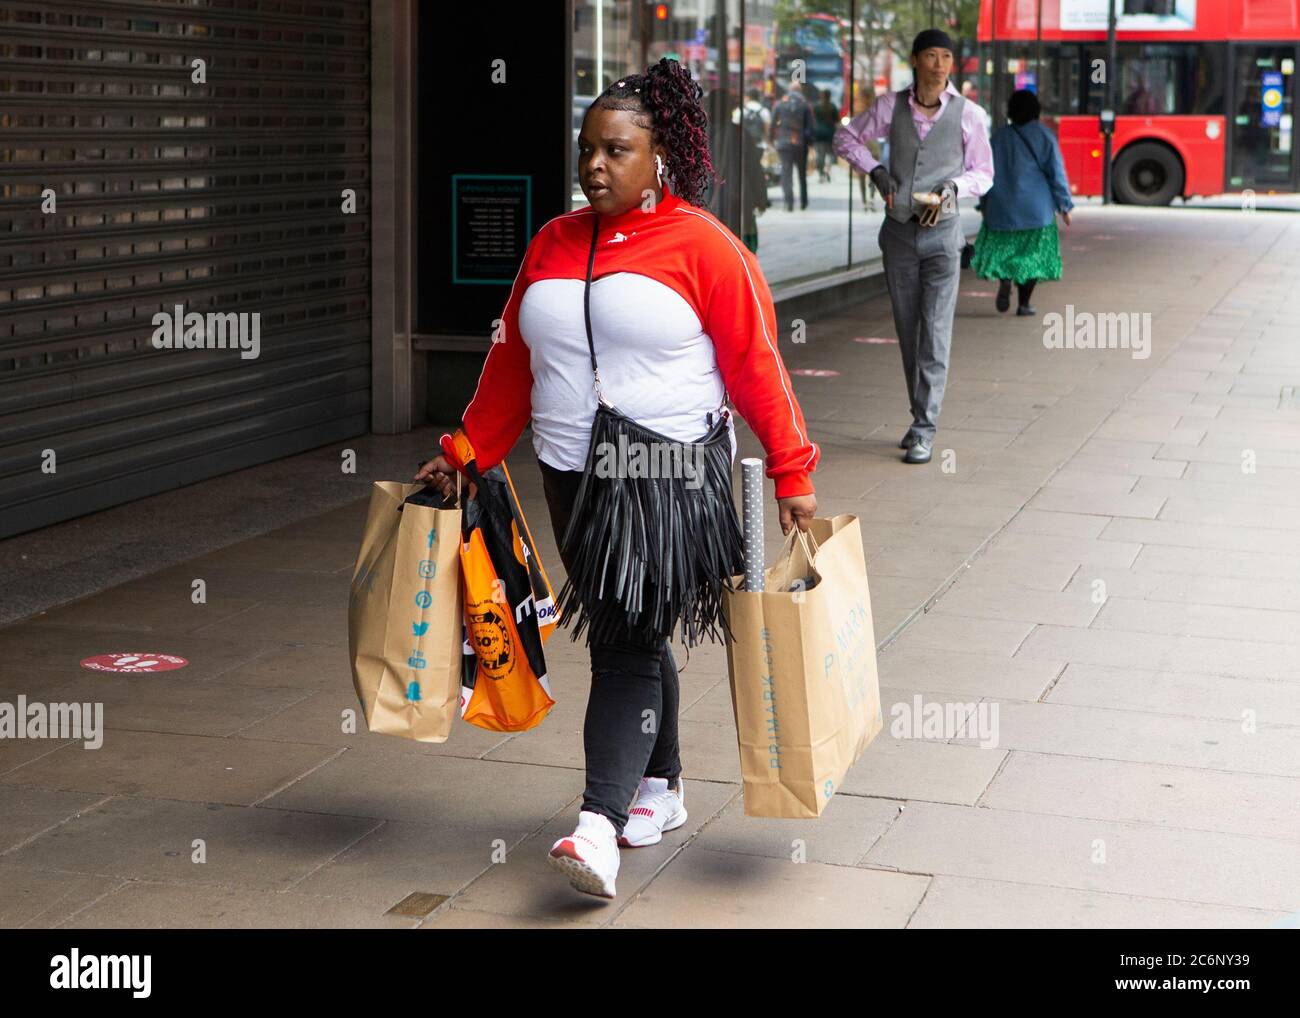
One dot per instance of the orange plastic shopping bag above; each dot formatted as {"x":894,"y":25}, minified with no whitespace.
{"x":509,"y":606}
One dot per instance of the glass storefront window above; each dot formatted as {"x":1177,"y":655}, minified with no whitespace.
{"x":761,"y":64}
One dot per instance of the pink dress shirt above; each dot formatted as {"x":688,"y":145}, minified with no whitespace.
{"x":849,"y":141}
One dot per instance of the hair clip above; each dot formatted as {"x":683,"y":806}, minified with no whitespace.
{"x":636,"y":90}
{"x":621,"y":84}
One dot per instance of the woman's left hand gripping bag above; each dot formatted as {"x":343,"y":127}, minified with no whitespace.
{"x":510,"y":607}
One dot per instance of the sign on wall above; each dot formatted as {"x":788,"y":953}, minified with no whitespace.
{"x":490,"y":214}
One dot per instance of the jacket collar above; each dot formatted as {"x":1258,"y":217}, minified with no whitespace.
{"x":634,"y":217}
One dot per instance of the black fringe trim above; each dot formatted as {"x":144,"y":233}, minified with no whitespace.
{"x":649,"y":553}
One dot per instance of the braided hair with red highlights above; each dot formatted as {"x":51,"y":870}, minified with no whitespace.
{"x":668,"y":99}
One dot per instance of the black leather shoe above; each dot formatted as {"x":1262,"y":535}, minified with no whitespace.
{"x":1003,"y":300}
{"x":908,"y":441}
{"x":919,"y":452}
{"x":1025,"y":310}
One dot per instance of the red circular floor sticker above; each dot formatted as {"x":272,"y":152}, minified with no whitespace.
{"x":874,"y":340}
{"x":133,"y":662}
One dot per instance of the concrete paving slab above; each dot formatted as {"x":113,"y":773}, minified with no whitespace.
{"x":136,"y":905}
{"x":963,"y":903}
{"x":1137,"y":737}
{"x":1191,"y":798}
{"x":1118,"y":649}
{"x":921,"y":769}
{"x":153,"y":702}
{"x":1093,"y":855}
{"x":30,"y":811}
{"x":841,"y":836}
{"x":59,"y":649}
{"x":1188,"y":694}
{"x":708,"y":889}
{"x":43,"y":898}
{"x":452,"y":918}
{"x":397,"y":859}
{"x":1015,"y":604}
{"x":192,"y":767}
{"x":1171,"y":618}
{"x":427,"y":789}
{"x":967,"y":673}
{"x":192,"y":843}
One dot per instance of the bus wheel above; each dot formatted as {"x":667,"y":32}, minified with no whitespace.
{"x":1148,"y":173}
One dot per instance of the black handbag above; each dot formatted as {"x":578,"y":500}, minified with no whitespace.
{"x":650,"y":552}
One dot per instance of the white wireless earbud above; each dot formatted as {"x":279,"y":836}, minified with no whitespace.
{"x":659,"y":170}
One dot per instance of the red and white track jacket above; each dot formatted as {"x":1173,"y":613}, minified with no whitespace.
{"x":685,"y":248}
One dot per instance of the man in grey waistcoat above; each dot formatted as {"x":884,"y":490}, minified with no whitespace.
{"x":937,"y":146}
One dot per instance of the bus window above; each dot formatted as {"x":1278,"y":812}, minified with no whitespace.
{"x":1155,"y":79}
{"x":1028,"y":66}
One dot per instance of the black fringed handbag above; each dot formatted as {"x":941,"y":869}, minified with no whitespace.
{"x":650,"y":547}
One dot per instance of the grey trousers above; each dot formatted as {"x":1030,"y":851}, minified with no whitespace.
{"x":922,"y":270}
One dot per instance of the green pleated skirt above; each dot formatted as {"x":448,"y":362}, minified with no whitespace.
{"x":1018,"y":255}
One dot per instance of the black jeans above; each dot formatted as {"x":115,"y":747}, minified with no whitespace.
{"x":630,"y":729}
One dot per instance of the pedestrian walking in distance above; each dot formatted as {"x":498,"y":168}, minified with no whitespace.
{"x":792,"y":133}
{"x":937,"y":146}
{"x":827,"y":119}
{"x":680,"y":316}
{"x":1018,"y":241}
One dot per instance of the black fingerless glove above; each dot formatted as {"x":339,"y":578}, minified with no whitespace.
{"x":885,"y":184}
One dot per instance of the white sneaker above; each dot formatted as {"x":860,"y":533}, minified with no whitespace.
{"x":657,"y":808}
{"x":588,"y":856}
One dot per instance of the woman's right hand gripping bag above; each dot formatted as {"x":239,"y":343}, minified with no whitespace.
{"x":802,"y":666}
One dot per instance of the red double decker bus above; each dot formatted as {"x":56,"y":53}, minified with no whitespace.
{"x":1204,"y":90}
{"x":821,"y":42}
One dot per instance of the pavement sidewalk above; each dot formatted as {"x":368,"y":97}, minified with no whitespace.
{"x":1105,"y":549}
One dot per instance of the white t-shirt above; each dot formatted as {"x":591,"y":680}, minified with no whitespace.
{"x":657,"y":364}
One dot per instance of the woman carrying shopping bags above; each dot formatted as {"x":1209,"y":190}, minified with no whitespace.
{"x":1017,"y":242}
{"x":646,"y":302}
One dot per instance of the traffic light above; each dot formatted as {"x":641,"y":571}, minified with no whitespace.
{"x":661,"y":20}
{"x":653,"y":23}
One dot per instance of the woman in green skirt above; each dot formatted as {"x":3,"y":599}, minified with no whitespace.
{"x":1017,"y":242}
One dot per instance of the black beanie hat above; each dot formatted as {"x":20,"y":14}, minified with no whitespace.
{"x":932,"y":37}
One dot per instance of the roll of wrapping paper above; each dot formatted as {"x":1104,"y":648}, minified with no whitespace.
{"x":751,"y":487}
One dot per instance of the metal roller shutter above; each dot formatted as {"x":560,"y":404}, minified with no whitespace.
{"x":224,"y":196}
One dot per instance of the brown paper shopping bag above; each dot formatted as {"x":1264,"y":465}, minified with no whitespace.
{"x":802,"y":665}
{"x":404,"y":616}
